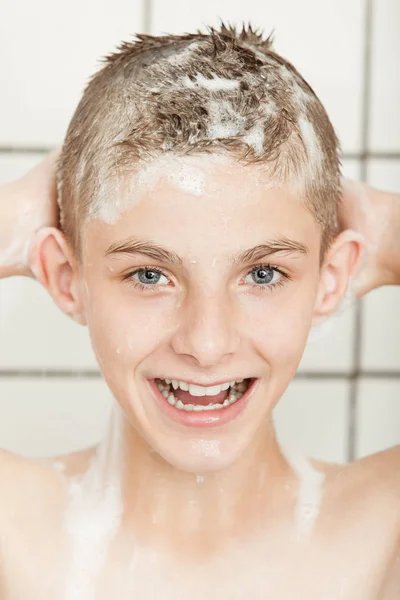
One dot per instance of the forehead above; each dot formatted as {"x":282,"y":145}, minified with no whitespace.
{"x":205,"y":200}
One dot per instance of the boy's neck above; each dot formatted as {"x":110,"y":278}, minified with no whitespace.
{"x":198,"y":512}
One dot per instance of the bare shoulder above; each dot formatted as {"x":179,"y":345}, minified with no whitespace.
{"x":33,"y":499}
{"x":21,"y":478}
{"x":383,"y":474}
{"x":41,"y":481}
{"x":380,"y":471}
{"x":367,"y":491}
{"x":361,"y":506}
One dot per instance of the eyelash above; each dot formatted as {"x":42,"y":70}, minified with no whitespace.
{"x":266,"y":287}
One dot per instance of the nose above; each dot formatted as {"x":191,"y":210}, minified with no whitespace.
{"x":208,"y":334}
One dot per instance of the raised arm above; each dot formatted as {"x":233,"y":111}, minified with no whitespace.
{"x":376,"y":215}
{"x":26,"y":206}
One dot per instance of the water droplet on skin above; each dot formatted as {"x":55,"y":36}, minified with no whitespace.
{"x":118,"y":350}
{"x":58,"y":466}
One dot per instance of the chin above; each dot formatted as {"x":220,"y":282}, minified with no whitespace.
{"x":201,"y":456}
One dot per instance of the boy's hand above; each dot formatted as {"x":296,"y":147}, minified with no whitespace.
{"x":376,"y":215}
{"x":26,"y":205}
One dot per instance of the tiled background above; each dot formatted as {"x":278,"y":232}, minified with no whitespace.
{"x":345,"y":400}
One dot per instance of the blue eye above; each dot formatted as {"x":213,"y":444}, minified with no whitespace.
{"x":263,"y":274}
{"x":150,"y":276}
{"x":265,"y":277}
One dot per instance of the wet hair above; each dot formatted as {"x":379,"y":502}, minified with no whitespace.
{"x":225,"y":91}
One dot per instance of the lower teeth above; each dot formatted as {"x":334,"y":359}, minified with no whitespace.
{"x":165,"y":389}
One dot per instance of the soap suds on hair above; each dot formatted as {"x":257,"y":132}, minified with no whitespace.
{"x":311,"y":143}
{"x":255,"y":137}
{"x":186,"y":174}
{"x":298,"y":95}
{"x":225,"y":122}
{"x":111,"y":201}
{"x":185,"y":177}
{"x":214,"y":84}
{"x":80,"y":172}
{"x":183,"y":54}
{"x":302,"y":100}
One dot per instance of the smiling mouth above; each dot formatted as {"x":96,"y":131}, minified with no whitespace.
{"x":183,"y":400}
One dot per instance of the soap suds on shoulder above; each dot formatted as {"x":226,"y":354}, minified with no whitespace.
{"x":310,"y":492}
{"x":94,"y":514}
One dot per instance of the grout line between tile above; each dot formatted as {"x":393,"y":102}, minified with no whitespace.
{"x":26,"y":149}
{"x":93,"y":374}
{"x":371,"y":155}
{"x":357,"y":344}
{"x":49,"y":373}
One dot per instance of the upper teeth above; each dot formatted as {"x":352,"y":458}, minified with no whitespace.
{"x":198,"y":390}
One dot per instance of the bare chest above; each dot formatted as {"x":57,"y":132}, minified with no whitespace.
{"x":48,"y":568}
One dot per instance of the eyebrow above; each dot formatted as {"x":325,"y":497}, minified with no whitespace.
{"x":134,"y":246}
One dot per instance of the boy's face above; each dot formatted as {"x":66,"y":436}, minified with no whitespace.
{"x":208,"y":319}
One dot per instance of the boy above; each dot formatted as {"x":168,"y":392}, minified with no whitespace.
{"x":199,"y":188}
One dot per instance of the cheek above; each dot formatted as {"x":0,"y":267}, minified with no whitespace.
{"x":123,"y":333}
{"x":281,"y":328}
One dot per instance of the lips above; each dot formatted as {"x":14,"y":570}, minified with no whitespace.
{"x":205,"y":418}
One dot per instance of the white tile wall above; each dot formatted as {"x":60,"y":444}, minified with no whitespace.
{"x":381,"y":322}
{"x":351,"y":168}
{"x":53,"y":416}
{"x":312,"y":418}
{"x":385,"y":89}
{"x":324,"y":40}
{"x":34,"y":332}
{"x":330,"y":347}
{"x":13,"y":166}
{"x":378,"y":416}
{"x":48,"y":51}
{"x":384,"y":173}
{"x":381,"y":330}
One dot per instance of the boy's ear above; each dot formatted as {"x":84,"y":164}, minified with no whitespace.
{"x":342,"y":261}
{"x":54,"y":265}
